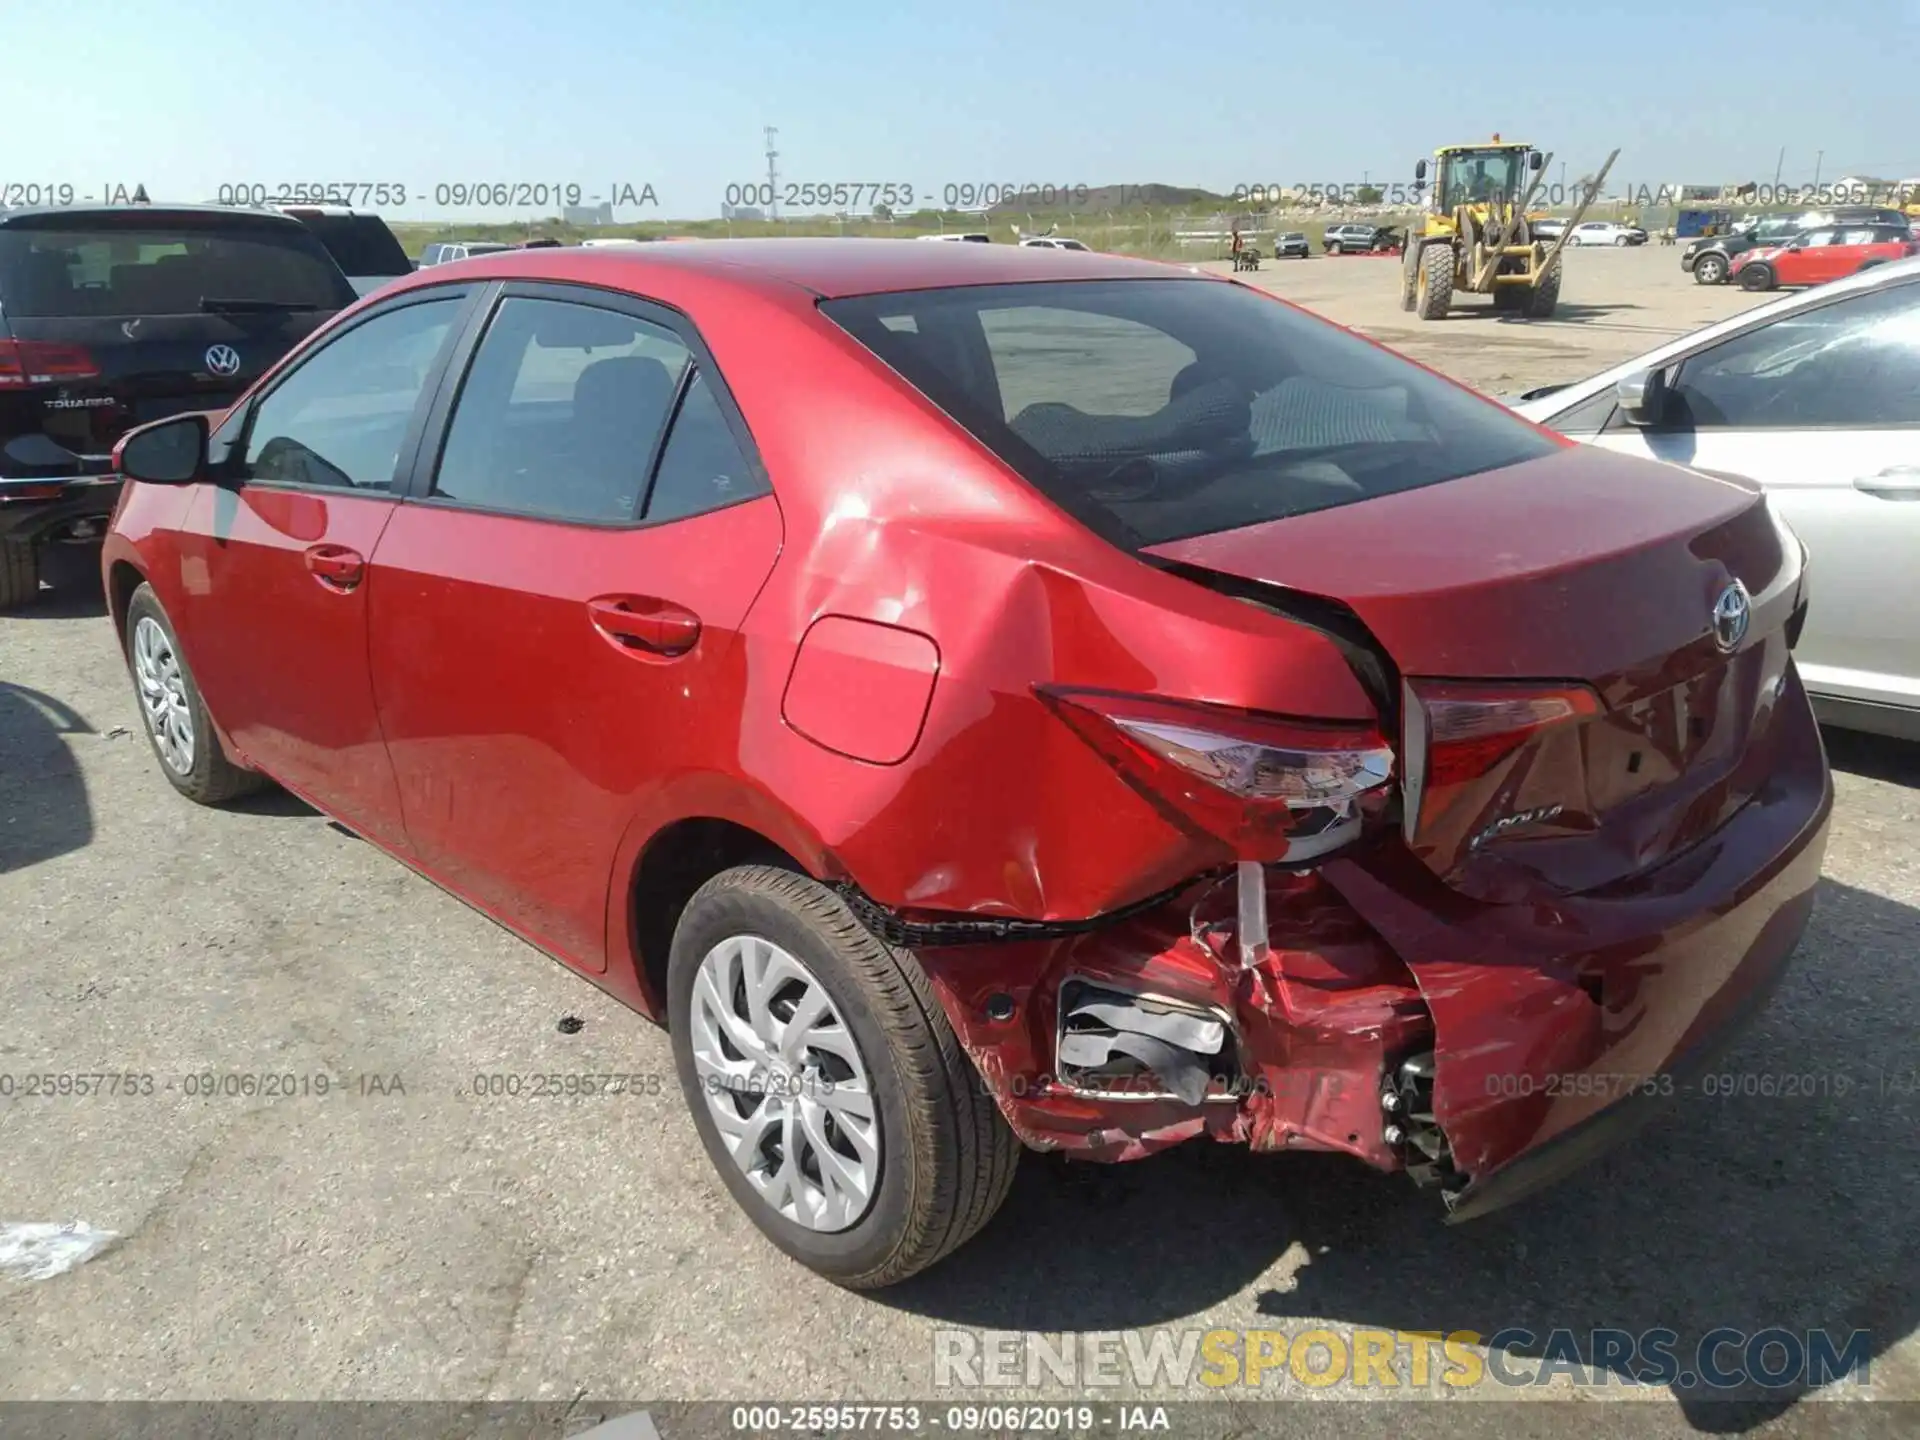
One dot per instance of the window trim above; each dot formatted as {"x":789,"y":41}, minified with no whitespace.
{"x":438,"y":424}
{"x":410,"y":441}
{"x":1677,"y":370}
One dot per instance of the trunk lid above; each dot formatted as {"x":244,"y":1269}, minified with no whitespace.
{"x":1584,"y":577}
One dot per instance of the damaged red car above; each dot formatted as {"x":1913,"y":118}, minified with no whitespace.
{"x":976,"y":702}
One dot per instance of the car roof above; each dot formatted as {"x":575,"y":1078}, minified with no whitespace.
{"x":1894,"y":272}
{"x":828,"y":267}
{"x":47,"y":217}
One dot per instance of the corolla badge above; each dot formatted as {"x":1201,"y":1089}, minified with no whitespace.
{"x":223,"y":360}
{"x":1732,"y":612}
{"x":1514,"y":821}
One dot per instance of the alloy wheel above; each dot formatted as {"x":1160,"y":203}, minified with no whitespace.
{"x":786,"y":1084}
{"x":163,"y":695}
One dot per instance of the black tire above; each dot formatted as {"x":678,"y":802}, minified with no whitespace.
{"x":1434,"y":296}
{"x":1756,"y":276}
{"x":19,"y":574}
{"x":1409,"y":279}
{"x":1511,"y":297}
{"x":947,"y":1157}
{"x":1710,"y":269}
{"x":212,"y":778}
{"x":1544,"y":298}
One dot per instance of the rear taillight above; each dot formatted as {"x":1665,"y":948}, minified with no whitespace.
{"x":1457,"y":733}
{"x":25,"y":363}
{"x":1270,"y":787}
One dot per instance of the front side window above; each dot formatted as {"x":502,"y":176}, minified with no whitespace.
{"x":1158,"y":409}
{"x":561,"y":412}
{"x":1855,"y":362}
{"x":341,"y":417}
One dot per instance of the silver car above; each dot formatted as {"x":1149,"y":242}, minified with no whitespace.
{"x":1817,"y":397}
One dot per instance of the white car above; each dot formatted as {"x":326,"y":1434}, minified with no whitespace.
{"x":975,"y":239}
{"x":1053,"y":242}
{"x":1606,"y":232}
{"x":1817,"y":397}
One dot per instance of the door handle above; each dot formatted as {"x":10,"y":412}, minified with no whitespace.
{"x":644,"y":624}
{"x":335,"y":566}
{"x":1897,"y":482}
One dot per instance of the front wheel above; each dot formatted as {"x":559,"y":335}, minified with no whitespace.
{"x":177,"y":725}
{"x":826,"y":1083}
{"x":1333,"y":247}
{"x":1709,"y":270}
{"x":1434,"y":296}
{"x":1621,"y":241}
{"x":1756,"y":277}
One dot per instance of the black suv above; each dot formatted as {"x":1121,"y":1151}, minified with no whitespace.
{"x":1710,"y":258}
{"x":113,"y":316}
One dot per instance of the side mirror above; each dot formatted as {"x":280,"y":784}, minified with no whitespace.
{"x":1643,"y":397}
{"x":1535,"y":160}
{"x":1420,"y":171}
{"x":167,"y":452}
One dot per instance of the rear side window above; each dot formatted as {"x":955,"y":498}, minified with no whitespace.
{"x":561,"y":412}
{"x":1158,"y":409}
{"x":118,"y":270}
{"x":703,"y":466}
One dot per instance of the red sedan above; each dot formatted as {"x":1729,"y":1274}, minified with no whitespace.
{"x":1817,"y":256}
{"x":977,"y":701}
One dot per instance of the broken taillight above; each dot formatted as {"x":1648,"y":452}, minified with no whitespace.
{"x":1457,"y":732}
{"x":1273,"y":788}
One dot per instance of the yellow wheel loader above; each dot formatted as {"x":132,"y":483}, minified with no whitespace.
{"x":1475,"y":235}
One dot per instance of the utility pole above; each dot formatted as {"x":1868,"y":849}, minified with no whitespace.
{"x":1819,"y":155}
{"x":773,"y":176}
{"x":1777,"y":166}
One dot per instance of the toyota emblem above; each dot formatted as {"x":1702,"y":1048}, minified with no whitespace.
{"x":1731,"y":612}
{"x":223,"y":360}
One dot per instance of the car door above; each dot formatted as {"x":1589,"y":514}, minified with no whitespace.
{"x":1815,"y":258}
{"x":273,"y":585}
{"x":560,"y":599}
{"x":1822,"y":406}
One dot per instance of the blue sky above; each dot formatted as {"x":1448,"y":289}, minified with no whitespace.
{"x":597,"y":92}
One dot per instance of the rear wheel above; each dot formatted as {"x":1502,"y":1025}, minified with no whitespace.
{"x":19,"y":574}
{"x":1756,"y":277}
{"x":1333,"y":247}
{"x":1710,"y":270}
{"x":182,"y":736}
{"x":1544,"y":298}
{"x":1435,"y":292}
{"x":826,"y":1084}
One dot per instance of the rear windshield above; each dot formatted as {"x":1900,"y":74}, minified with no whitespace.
{"x":360,"y":244}
{"x":1154,"y":410}
{"x":164,"y":270}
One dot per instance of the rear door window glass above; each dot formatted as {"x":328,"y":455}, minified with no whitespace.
{"x":561,"y":412}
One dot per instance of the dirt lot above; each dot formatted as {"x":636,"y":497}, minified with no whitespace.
{"x":1614,"y":304}
{"x":405,"y":1237}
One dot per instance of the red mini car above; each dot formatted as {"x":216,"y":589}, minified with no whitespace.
{"x":974,"y":704}
{"x":1816,"y":256}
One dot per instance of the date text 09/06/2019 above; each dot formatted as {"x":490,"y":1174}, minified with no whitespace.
{"x":453,"y":194}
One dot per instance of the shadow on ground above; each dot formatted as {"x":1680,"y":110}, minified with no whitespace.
{"x":1873,"y":757}
{"x":44,"y":810}
{"x":1746,"y":1211}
